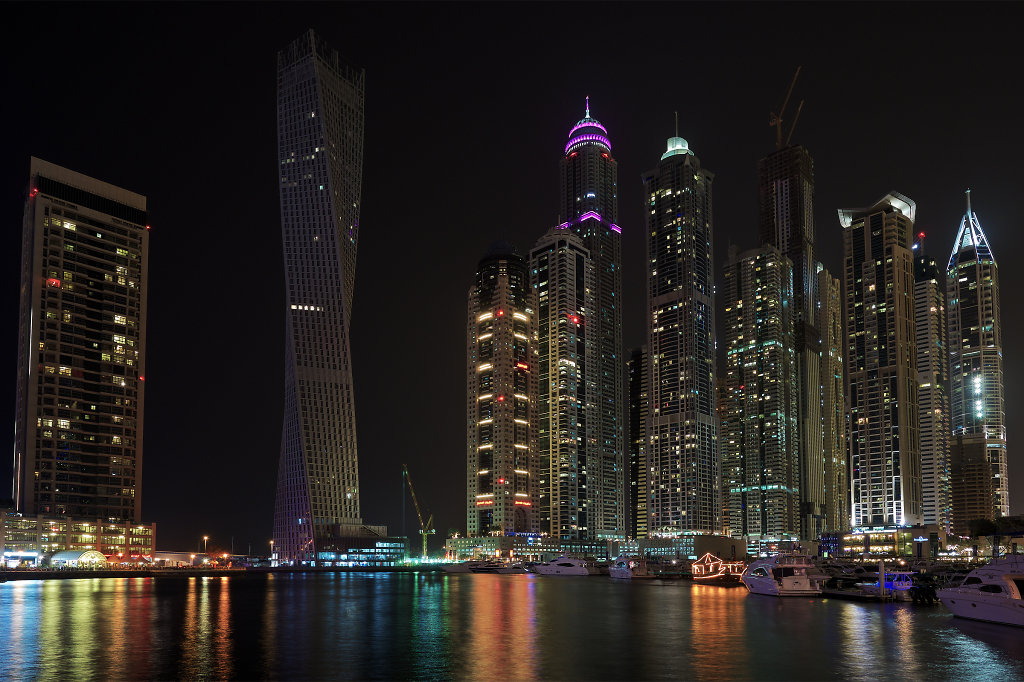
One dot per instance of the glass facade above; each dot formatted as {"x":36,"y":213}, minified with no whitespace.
{"x":882,"y":380}
{"x":590,"y":207}
{"x":977,"y":408}
{"x":320,"y":157}
{"x":81,"y":348}
{"x":562,"y":278}
{"x":501,"y":398}
{"x":683,"y":486}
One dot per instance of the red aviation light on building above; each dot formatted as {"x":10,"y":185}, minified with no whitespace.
{"x":920,"y":235}
{"x":142,"y":378}
{"x":500,"y":312}
{"x":501,"y":481}
{"x":605,"y":155}
{"x":575,"y":319}
{"x":53,"y":282}
{"x":501,"y":398}
{"x":33,"y":193}
{"x":147,"y":227}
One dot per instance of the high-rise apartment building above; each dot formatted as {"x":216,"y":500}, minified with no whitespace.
{"x":320,"y":160}
{"x":932,"y":377}
{"x":562,"y":278}
{"x":758,"y":433}
{"x":501,"y":397}
{"x":682,"y":423}
{"x":81,"y":348}
{"x":786,"y":221}
{"x":884,"y":443}
{"x":833,"y":403}
{"x":590,"y":209}
{"x":636,"y":368}
{"x":977,"y":409}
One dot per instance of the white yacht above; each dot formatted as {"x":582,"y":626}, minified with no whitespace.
{"x":512,"y":568}
{"x":990,"y":593}
{"x":783,"y":575}
{"x":630,"y":568}
{"x":563,"y":565}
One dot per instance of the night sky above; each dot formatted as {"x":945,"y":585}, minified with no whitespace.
{"x":468,"y":108}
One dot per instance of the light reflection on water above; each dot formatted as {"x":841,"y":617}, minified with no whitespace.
{"x":434,"y":626}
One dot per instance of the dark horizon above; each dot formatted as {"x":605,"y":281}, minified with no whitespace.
{"x":467,"y":112}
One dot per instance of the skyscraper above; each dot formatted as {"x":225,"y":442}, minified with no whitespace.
{"x":562,"y":279}
{"x":885,"y":449}
{"x":786,"y":221}
{"x":81,"y":348}
{"x":758,"y":433}
{"x":932,"y":374}
{"x":833,"y":403}
{"x":638,"y":407}
{"x":976,"y":355}
{"x":501,"y":397}
{"x":320,"y":162}
{"x":682,"y":423}
{"x":590,"y":207}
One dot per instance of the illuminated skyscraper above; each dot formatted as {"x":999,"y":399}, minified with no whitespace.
{"x":590,"y":208}
{"x":682,"y":423}
{"x":81,"y":348}
{"x":885,"y":449}
{"x":833,"y":403}
{"x":638,"y":407}
{"x":562,"y":278}
{"x":786,"y":221}
{"x":501,"y":397}
{"x":932,"y":373}
{"x":976,"y":357}
{"x":320,"y":165}
{"x":758,"y":433}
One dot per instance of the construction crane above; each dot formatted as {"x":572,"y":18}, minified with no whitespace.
{"x":425,"y":528}
{"x":775,"y":120}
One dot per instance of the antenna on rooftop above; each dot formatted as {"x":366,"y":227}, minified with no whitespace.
{"x":677,"y":124}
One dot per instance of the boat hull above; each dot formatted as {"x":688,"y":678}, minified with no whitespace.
{"x":977,"y":606}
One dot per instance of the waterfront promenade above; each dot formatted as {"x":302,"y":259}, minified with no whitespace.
{"x":196,"y":572}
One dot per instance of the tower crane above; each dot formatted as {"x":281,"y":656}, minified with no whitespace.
{"x":775,"y":120}
{"x":425,"y":528}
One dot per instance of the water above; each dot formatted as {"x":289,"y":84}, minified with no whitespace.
{"x":504,"y":627}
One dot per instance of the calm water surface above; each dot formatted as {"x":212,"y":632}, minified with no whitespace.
{"x":515,"y":627}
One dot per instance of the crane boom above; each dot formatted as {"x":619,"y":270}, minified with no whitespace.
{"x":425,"y":528}
{"x":776,"y":119}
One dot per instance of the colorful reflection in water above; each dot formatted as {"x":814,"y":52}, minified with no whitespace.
{"x":435,"y":626}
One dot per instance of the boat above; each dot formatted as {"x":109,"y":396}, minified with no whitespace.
{"x":991,"y":593}
{"x":783,"y":575}
{"x":563,"y":565}
{"x":471,"y":567}
{"x":487,"y":567}
{"x":710,"y":570}
{"x":896,"y":585}
{"x":630,"y":568}
{"x":512,"y":568}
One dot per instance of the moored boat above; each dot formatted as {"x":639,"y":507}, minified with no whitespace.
{"x":563,"y":565}
{"x":783,"y":575}
{"x":630,"y":568}
{"x":991,"y":593}
{"x":710,"y":570}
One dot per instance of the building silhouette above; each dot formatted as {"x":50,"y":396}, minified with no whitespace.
{"x":833,"y":403}
{"x":932,"y":379}
{"x":501,"y":397}
{"x":977,"y":409}
{"x":81,"y":349}
{"x":884,"y":443}
{"x":320,"y":102}
{"x":562,"y":279}
{"x":758,"y":391}
{"x":637,"y":369}
{"x":682,"y":422}
{"x":589,"y":207}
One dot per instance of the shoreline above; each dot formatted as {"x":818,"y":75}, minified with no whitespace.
{"x":73,"y":574}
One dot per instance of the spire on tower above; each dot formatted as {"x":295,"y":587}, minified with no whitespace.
{"x":588,"y":107}
{"x":677,"y":124}
{"x":968,"y":193}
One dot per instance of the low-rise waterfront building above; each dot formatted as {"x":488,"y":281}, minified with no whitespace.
{"x":882,"y":542}
{"x":26,"y":538}
{"x":531,"y":547}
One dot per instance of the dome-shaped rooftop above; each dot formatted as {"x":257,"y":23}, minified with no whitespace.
{"x":588,"y":131}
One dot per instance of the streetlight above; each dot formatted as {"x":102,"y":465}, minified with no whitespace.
{"x":271,"y":549}
{"x":205,"y":538}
